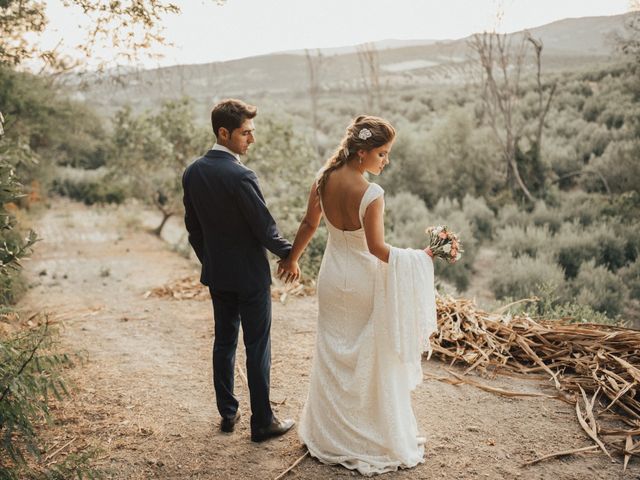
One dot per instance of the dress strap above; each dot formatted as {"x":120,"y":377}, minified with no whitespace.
{"x":373,"y":191}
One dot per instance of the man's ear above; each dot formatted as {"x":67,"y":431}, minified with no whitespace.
{"x":223,"y":133}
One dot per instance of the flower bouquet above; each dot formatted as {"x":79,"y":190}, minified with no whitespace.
{"x":444,"y":243}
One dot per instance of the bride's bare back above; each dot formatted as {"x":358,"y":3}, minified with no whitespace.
{"x":341,"y":198}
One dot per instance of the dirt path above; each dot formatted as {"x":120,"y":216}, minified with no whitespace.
{"x":144,"y":396}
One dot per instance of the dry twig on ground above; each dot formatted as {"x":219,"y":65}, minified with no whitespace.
{"x":187,"y":288}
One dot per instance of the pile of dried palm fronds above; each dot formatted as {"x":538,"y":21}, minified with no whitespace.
{"x":593,"y":365}
{"x":187,"y":288}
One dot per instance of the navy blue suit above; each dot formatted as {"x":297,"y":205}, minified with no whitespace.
{"x":230,"y":230}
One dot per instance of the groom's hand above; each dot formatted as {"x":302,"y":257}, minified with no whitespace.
{"x":288,"y":271}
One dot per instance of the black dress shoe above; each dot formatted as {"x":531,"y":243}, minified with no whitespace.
{"x":228,"y":424}
{"x":274,"y":429}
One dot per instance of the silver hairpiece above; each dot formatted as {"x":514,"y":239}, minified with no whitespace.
{"x":364,"y":134}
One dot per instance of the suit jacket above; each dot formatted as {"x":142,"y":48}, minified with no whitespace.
{"x":229,"y":225}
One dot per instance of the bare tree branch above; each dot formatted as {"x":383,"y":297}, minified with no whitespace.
{"x":502,"y":66}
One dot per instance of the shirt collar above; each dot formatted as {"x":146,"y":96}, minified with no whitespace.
{"x":222,"y":148}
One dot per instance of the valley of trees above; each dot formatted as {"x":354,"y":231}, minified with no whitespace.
{"x":566,"y":232}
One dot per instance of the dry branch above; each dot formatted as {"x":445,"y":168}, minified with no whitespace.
{"x":293,"y":465}
{"x":187,"y":288}
{"x":562,"y":454}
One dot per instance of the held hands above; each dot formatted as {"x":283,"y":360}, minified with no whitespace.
{"x":428,"y":251}
{"x":288,"y":270}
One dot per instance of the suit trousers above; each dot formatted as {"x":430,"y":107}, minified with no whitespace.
{"x":253,"y":311}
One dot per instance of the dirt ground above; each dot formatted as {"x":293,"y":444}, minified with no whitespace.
{"x":144,"y":399}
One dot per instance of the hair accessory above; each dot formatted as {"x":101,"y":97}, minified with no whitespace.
{"x":364,"y":134}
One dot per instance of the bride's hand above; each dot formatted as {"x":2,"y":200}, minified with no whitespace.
{"x":428,"y":251}
{"x":288,"y":270}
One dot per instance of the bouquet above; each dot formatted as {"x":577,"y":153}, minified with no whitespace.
{"x":444,"y":243}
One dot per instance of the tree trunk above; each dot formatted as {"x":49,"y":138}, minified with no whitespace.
{"x":165,"y":216}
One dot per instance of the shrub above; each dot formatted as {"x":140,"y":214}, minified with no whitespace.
{"x":631,"y":277}
{"x":592,"y":108}
{"x":312,"y":258}
{"x":600,"y":289}
{"x":520,"y":241}
{"x":525,"y":276}
{"x":89,"y":192}
{"x":30,"y":371}
{"x":543,"y":216}
{"x":582,"y":207}
{"x":480,"y":216}
{"x":612,"y":247}
{"x":572,"y":246}
{"x":553,"y":303}
{"x":406,"y":218}
{"x":618,"y":165}
{"x":511,"y":215}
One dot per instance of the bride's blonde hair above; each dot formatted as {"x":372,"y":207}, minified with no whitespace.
{"x":364,"y":133}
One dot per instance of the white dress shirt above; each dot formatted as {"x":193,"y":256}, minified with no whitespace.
{"x":222,"y":148}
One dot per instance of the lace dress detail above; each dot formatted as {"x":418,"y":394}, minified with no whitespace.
{"x":358,"y":412}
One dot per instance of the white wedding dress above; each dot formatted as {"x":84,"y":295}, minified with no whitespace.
{"x":374,"y":322}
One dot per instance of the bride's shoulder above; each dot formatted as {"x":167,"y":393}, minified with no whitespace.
{"x":375,"y":188}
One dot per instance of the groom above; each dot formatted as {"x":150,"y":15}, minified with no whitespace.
{"x":230,"y":229}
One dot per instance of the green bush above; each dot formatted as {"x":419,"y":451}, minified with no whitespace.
{"x":554,"y":304}
{"x":312,"y":258}
{"x":582,"y":207}
{"x":525,"y":276}
{"x":12,"y":287}
{"x":543,"y":216}
{"x":618,"y":165}
{"x":612,"y":247}
{"x":600,"y":289}
{"x":592,"y":108}
{"x":406,"y":218}
{"x":572,"y":246}
{"x":517,"y":241}
{"x":511,"y":215}
{"x":89,"y":192}
{"x":480,"y":215}
{"x":30,"y":374}
{"x":631,"y":277}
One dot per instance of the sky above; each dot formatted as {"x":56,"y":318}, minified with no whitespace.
{"x":206,"y":32}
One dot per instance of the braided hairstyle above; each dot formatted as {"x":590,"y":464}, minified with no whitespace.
{"x":381,"y":133}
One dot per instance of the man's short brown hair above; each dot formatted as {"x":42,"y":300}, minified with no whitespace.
{"x":230,"y":114}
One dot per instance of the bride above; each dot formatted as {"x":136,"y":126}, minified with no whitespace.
{"x":376,"y":311}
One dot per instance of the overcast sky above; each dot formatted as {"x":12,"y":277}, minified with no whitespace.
{"x":205,"y":32}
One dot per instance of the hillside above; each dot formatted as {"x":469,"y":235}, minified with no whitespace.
{"x":569,"y":44}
